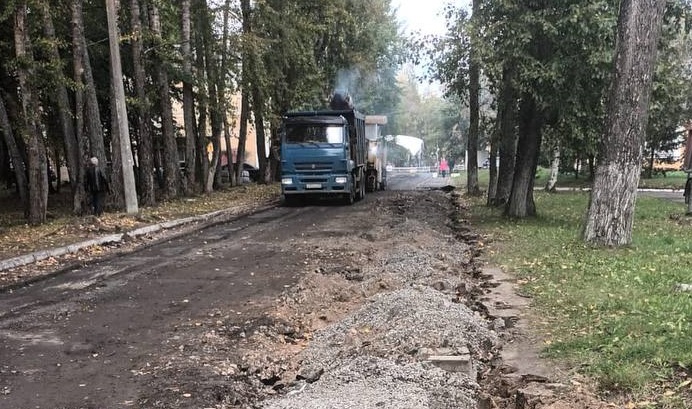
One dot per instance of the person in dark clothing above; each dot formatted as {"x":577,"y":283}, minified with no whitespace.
{"x":96,"y":186}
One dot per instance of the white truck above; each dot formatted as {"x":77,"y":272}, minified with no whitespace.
{"x":376,"y":171}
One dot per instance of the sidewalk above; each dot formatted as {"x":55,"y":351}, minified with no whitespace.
{"x":229,"y":210}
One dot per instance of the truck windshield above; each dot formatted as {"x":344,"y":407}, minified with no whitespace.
{"x":314,"y":134}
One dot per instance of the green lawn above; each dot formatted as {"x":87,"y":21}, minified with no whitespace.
{"x":612,"y":313}
{"x":671,"y":180}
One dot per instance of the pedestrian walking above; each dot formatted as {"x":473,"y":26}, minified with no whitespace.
{"x":444,"y":167}
{"x":96,"y":185}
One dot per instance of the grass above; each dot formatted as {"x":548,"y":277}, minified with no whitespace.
{"x":671,"y":180}
{"x":612,"y":313}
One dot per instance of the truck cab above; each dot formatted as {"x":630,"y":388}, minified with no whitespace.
{"x":323,"y":154}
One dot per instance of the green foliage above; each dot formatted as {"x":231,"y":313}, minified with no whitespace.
{"x":613,"y":312}
{"x":312,"y":48}
{"x":448,"y":55}
{"x":671,"y":89}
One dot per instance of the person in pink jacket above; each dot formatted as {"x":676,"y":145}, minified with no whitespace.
{"x":444,"y":167}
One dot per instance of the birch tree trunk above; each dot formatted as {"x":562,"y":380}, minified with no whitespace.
{"x":188,"y":101}
{"x":611,"y":208}
{"x":30,"y":128}
{"x":492,"y":170}
{"x":554,"y":169}
{"x":214,"y":89}
{"x":145,"y":151}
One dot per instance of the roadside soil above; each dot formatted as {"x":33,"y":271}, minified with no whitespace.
{"x":302,"y":290}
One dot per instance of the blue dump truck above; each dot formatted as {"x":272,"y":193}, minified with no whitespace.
{"x":323,"y":154}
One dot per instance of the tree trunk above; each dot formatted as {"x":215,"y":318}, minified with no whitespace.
{"x":117,"y":196}
{"x":492,"y":170}
{"x":61,"y":101}
{"x":78,"y":64}
{"x":474,"y":111}
{"x":521,"y":203}
{"x":611,"y":209}
{"x":261,"y":137}
{"x":131,"y":205}
{"x":16,"y":156}
{"x":31,"y":129}
{"x":650,"y":168}
{"x":245,"y":91}
{"x":145,"y":151}
{"x":214,"y":85}
{"x":506,"y":117}
{"x":202,"y":97}
{"x":554,"y":169}
{"x":242,"y":135}
{"x":223,"y":100}
{"x":94,"y":126}
{"x":170,"y":144}
{"x":188,"y":101}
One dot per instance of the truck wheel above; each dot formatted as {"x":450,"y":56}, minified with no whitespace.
{"x":360,"y":193}
{"x":350,"y":197}
{"x":362,"y":189}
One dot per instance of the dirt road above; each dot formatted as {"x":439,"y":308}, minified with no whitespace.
{"x":293,"y":307}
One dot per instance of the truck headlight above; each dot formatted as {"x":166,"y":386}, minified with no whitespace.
{"x":286,"y":181}
{"x":341,"y":180}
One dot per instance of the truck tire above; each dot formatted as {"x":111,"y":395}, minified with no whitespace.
{"x":360,"y":192}
{"x":350,"y":198}
{"x":371,"y":184}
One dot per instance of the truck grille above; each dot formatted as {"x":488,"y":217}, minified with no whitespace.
{"x":314,"y":168}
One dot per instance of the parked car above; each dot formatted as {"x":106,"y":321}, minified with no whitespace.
{"x":250,"y":173}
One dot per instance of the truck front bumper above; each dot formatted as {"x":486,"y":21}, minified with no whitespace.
{"x":292,"y":184}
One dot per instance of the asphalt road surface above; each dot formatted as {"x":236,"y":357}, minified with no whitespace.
{"x":88,"y":338}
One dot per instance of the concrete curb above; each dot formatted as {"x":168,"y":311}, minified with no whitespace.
{"x":116,"y":238}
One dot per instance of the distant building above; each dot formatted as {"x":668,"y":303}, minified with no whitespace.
{"x":250,"y":144}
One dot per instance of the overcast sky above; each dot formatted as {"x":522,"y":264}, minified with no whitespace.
{"x":423,"y":15}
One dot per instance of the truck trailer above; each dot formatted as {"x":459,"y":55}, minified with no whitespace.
{"x":323,"y":154}
{"x":376,"y":169}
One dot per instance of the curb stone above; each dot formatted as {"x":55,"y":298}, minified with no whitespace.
{"x":118,"y":237}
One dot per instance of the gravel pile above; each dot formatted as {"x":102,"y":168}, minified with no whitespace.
{"x":367,"y":382}
{"x":400,"y":326}
{"x":377,"y":356}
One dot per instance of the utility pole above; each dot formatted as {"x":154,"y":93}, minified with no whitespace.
{"x":121,"y":111}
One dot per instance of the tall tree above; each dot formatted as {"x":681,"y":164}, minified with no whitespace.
{"x":79,"y":64}
{"x":130,"y":193}
{"x":611,"y":208}
{"x":145,"y":150}
{"x":507,"y":146}
{"x":31,"y":128}
{"x":15,"y":156}
{"x":188,"y":98}
{"x":474,"y":107}
{"x":61,"y":101}
{"x":171,"y":174}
